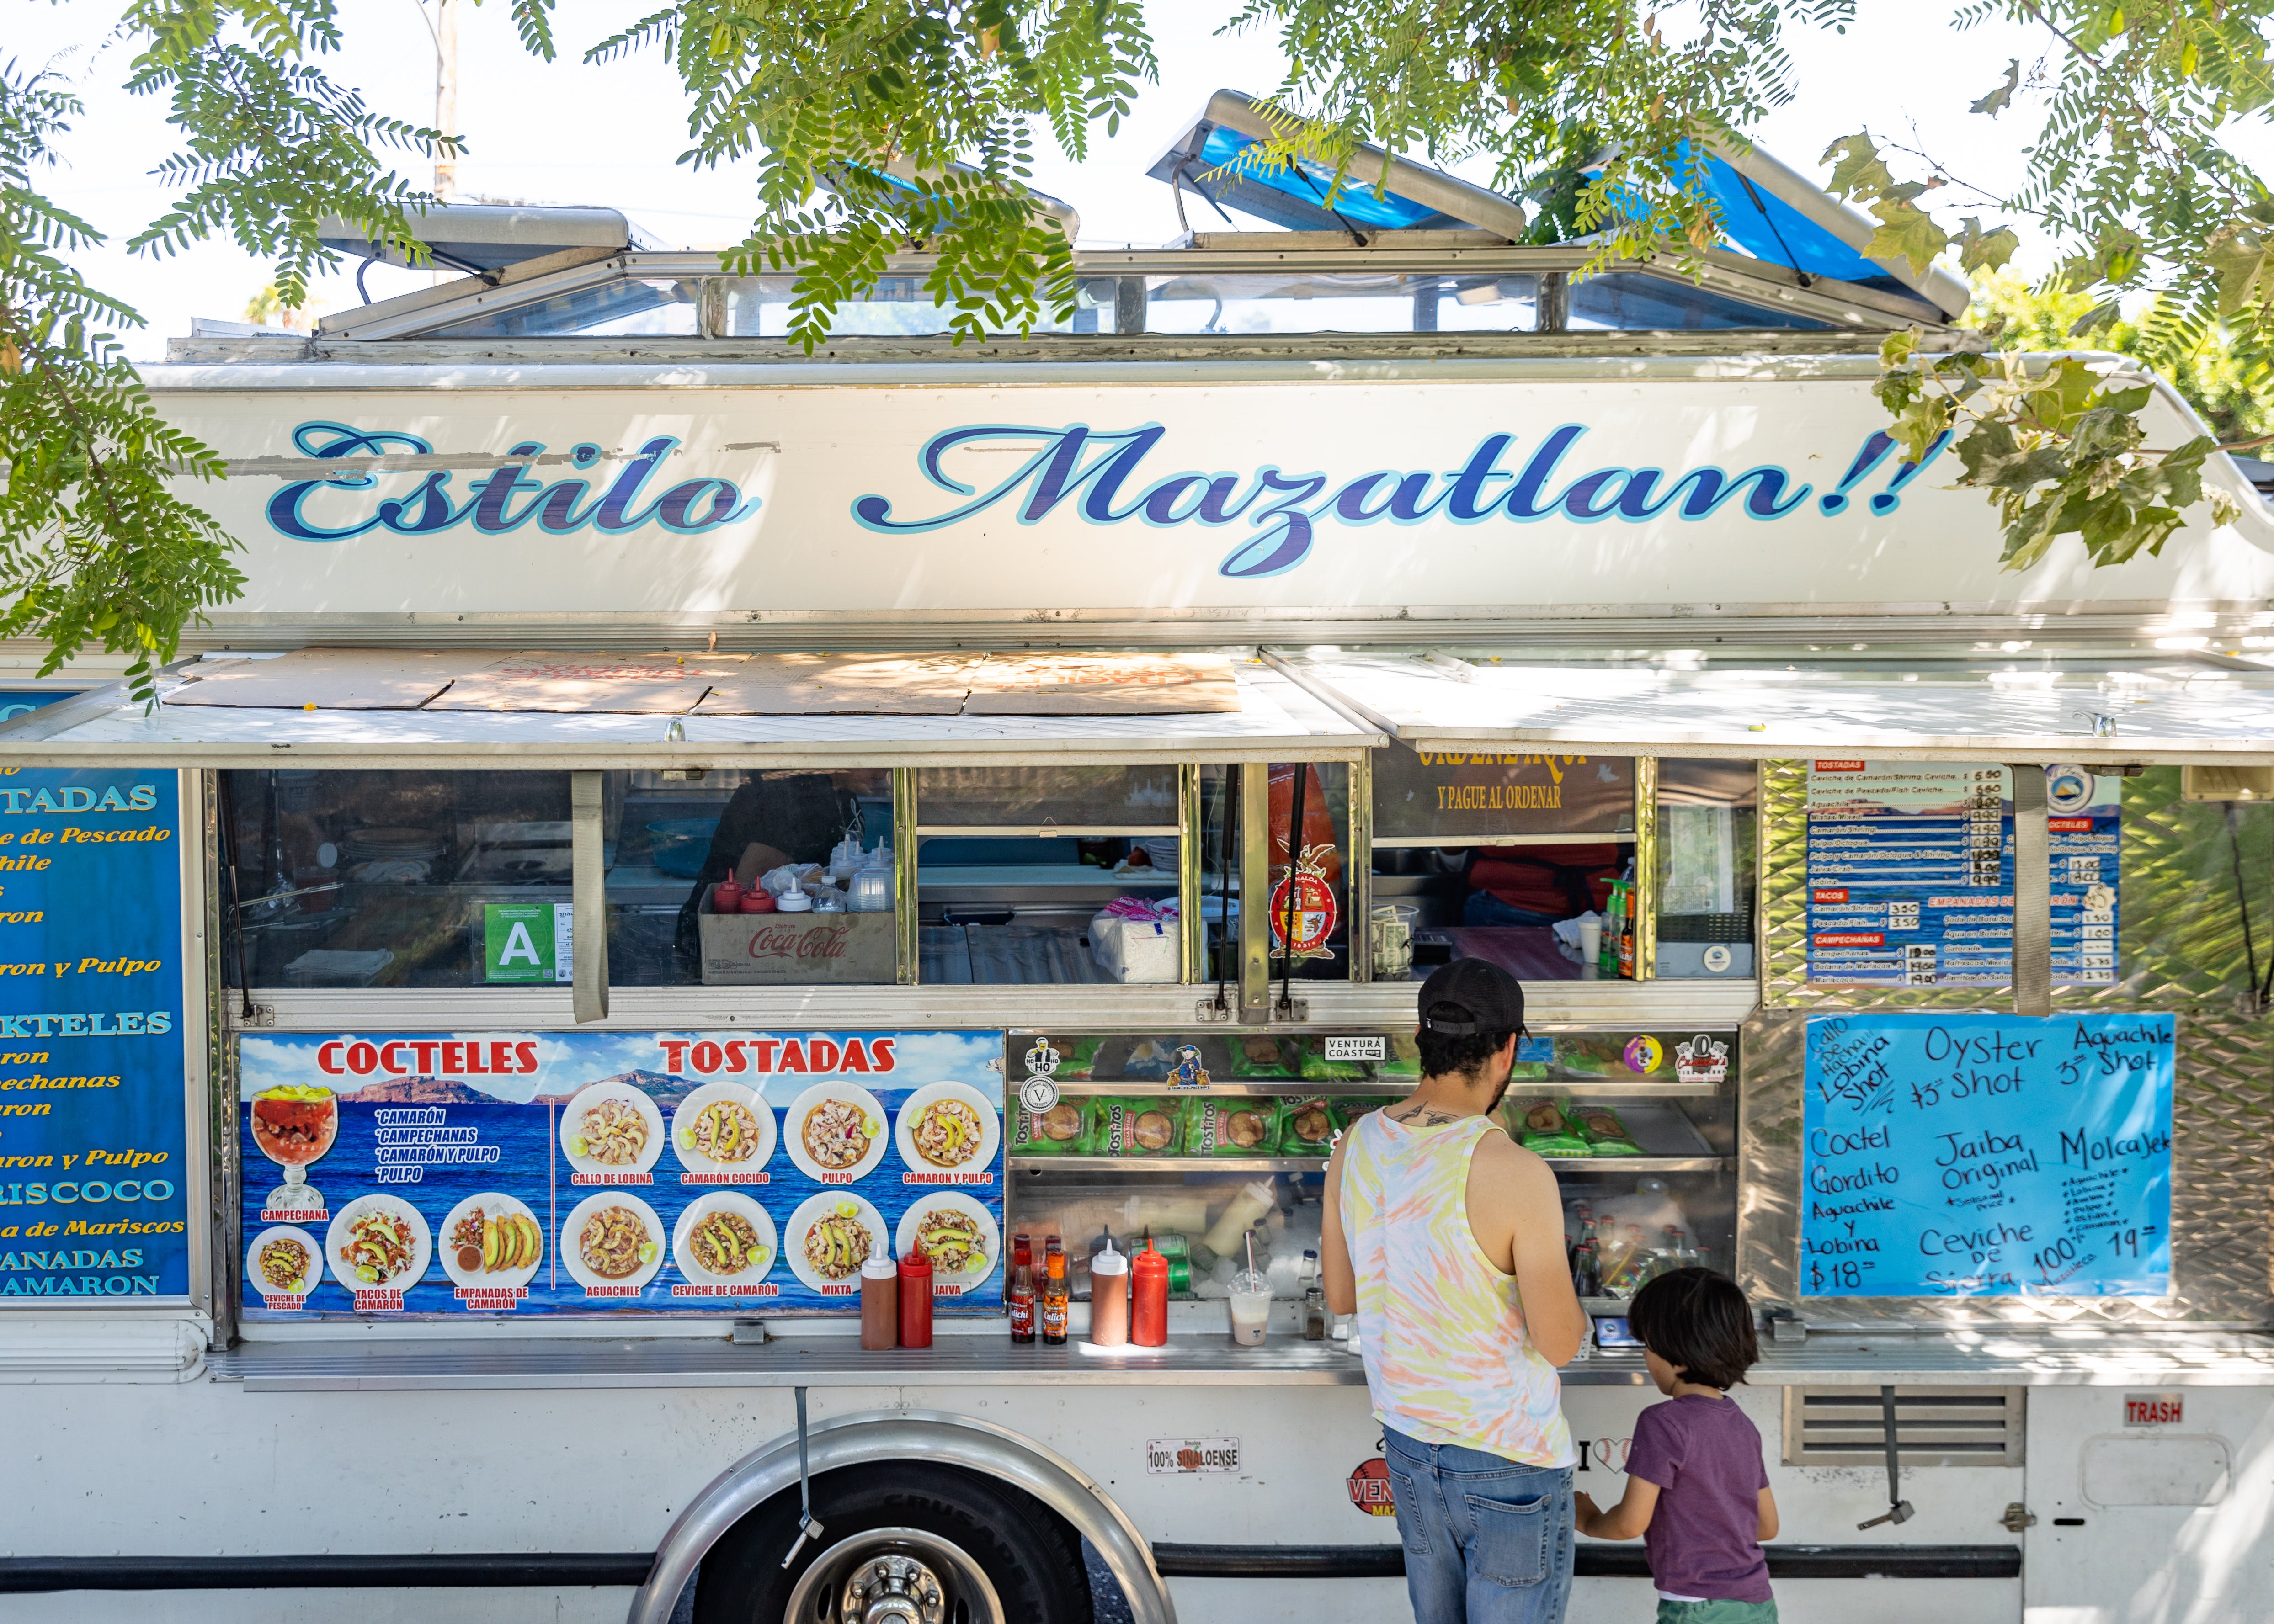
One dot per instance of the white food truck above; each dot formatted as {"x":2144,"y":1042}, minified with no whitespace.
{"x":671,"y":815}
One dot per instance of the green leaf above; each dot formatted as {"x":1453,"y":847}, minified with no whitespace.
{"x":1858,"y":173}
{"x":1906,"y":232}
{"x":1985,"y":251}
{"x":2002,"y":97}
{"x":2243,"y":261}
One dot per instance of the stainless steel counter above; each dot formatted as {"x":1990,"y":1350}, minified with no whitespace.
{"x":2162,"y":1359}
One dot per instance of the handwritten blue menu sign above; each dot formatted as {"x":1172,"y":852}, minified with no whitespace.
{"x":1987,"y":1155}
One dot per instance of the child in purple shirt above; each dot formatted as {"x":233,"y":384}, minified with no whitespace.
{"x":1697,"y":1492}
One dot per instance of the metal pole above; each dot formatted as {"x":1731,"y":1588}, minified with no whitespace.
{"x":1254,"y":893}
{"x":589,"y":898}
{"x":446,"y":94}
{"x":2033,"y":898}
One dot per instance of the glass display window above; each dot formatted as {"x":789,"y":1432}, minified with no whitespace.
{"x":1308,"y":897}
{"x":1525,"y":859}
{"x":1049,"y":875}
{"x":389,"y":878}
{"x":1707,"y":868}
{"x":1212,"y":1143}
{"x":751,"y":878}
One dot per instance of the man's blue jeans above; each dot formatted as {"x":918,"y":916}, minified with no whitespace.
{"x":1488,"y":1541}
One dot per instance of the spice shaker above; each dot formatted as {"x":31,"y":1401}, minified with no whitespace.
{"x":1149,"y":1298}
{"x":1109,"y":1298}
{"x":916,"y":1297}
{"x":880,"y":1299}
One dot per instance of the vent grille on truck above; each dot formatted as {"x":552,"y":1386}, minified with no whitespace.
{"x":1934,"y":1426}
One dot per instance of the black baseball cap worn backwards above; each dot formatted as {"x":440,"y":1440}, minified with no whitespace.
{"x":1492,"y":998}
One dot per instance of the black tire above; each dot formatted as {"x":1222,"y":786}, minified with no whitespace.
{"x":1029,"y":1553}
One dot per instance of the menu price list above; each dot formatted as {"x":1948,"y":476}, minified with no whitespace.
{"x":1910,"y":874}
{"x":1987,"y":1155}
{"x":566,"y":1173}
{"x":94,"y":1161}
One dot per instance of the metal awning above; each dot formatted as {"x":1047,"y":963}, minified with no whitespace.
{"x":2171,"y":712}
{"x":1275,"y":720}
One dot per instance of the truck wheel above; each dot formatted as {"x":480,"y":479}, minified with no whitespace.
{"x":902,"y":1543}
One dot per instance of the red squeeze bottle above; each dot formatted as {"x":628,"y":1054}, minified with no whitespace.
{"x":1148,"y":1303}
{"x":916,"y":1299}
{"x":726,"y":895}
{"x":758,"y":900}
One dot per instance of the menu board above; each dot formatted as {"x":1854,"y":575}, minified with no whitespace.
{"x":93,"y":1131}
{"x":597,"y":1172}
{"x":1987,"y":1155}
{"x":1485,"y":795}
{"x":1910,"y":874}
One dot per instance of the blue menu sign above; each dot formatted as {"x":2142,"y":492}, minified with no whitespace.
{"x":93,"y":1134}
{"x":1987,"y":1155}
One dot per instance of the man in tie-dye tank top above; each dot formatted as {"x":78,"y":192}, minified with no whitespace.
{"x":1446,"y":1239}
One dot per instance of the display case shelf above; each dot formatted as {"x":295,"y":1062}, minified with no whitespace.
{"x":1644,"y":1164}
{"x":1254,"y":1088}
{"x":1168,"y":1164}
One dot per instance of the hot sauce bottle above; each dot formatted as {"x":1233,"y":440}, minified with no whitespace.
{"x":1054,"y":1292}
{"x":916,"y":1299}
{"x":880,"y":1300}
{"x":1149,"y":1298}
{"x":1022,"y":1289}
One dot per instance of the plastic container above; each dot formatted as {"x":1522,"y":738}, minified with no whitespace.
{"x":871,"y":891}
{"x":1109,"y":1298}
{"x":1250,"y":1301}
{"x":758,"y":900}
{"x":915,"y":1297}
{"x":880,"y":1299}
{"x":726,"y":895}
{"x":1254,"y":1200}
{"x":1149,"y":1298}
{"x":797,"y":900}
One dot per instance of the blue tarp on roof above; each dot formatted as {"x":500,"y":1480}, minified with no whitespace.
{"x":1307,"y":182}
{"x":1767,"y":228}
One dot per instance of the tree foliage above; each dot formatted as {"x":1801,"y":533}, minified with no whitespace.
{"x":883,"y":126}
{"x":95,"y":547}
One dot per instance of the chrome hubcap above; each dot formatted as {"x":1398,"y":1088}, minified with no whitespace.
{"x":893,"y":1590}
{"x":893,"y":1575}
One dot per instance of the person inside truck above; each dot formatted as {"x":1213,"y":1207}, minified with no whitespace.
{"x":773,"y":818}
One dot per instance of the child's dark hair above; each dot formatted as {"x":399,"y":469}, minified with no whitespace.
{"x":1698,"y":1322}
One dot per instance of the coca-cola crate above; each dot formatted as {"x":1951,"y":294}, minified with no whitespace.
{"x":789,"y":949}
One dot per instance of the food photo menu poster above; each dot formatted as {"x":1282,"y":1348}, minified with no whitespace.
{"x":93,"y":1136}
{"x":582,"y":1173}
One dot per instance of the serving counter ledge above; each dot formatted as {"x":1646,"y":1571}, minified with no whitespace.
{"x":1942,"y":1359}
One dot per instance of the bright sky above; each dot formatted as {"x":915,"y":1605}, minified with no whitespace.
{"x":609,"y":135}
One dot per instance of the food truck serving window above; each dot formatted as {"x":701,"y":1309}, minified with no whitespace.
{"x":1024,"y":873}
{"x":396,"y":879}
{"x":386,"y":879}
{"x":739,"y":878}
{"x":1508,"y":857}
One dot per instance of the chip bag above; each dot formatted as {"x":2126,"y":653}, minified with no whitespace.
{"x":1405,"y":1060}
{"x":1060,"y":1131}
{"x":1230,"y":1127}
{"x":1318,"y":1069}
{"x":1308,"y":1124}
{"x":1541,"y":1127}
{"x":1136,"y":1127}
{"x":1257,"y":1055}
{"x":1605,"y":1134}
